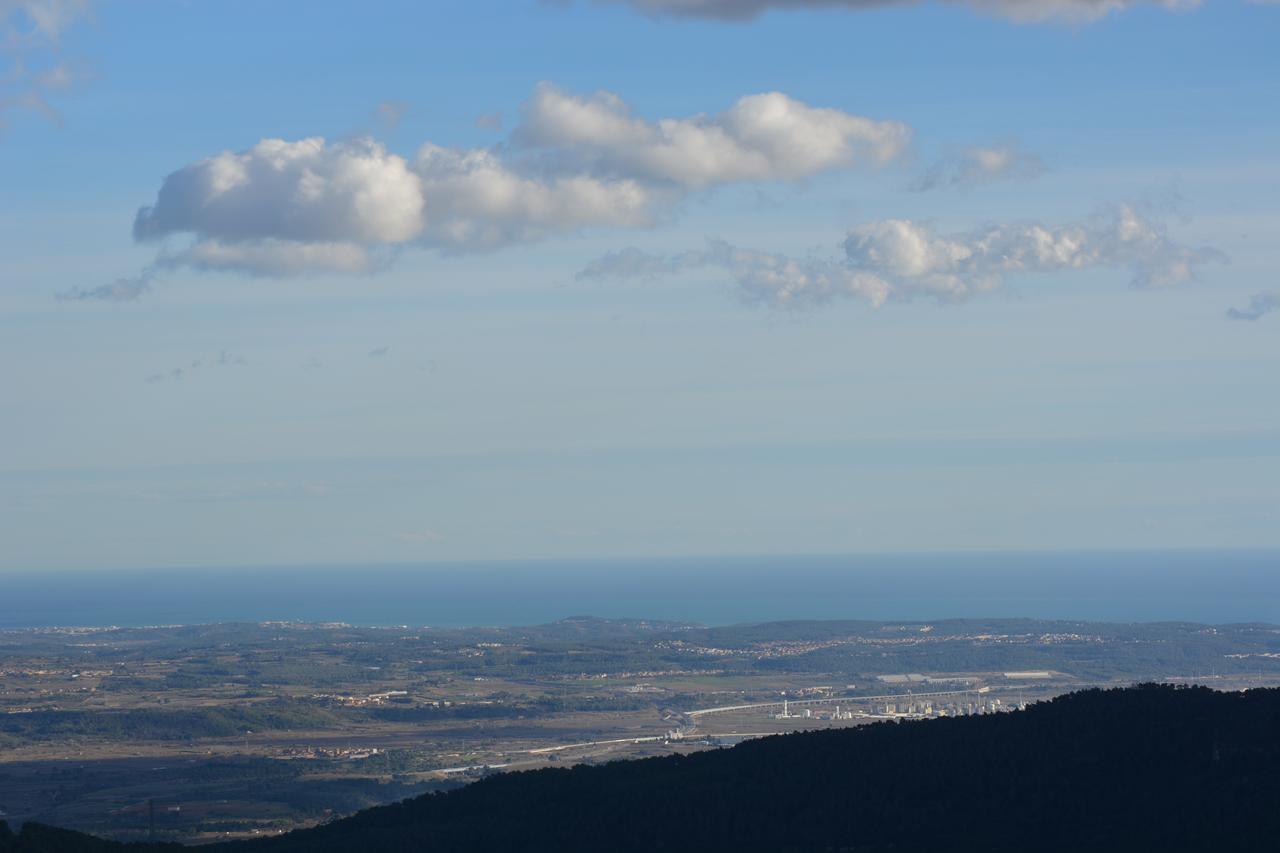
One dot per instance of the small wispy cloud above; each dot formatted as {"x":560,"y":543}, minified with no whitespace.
{"x":390,"y":113}
{"x":224,"y":358}
{"x":44,"y":20}
{"x":379,"y":352}
{"x":1260,"y":305}
{"x":175,"y":375}
{"x":29,"y":37}
{"x":630,"y":263}
{"x":120,"y":290}
{"x":489,"y":121}
{"x":976,"y":165}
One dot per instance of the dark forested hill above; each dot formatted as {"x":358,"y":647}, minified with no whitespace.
{"x":1146,"y":768}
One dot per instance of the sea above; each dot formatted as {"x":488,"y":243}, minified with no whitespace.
{"x":1213,"y":587}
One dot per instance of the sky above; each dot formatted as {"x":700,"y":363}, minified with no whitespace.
{"x":289,"y":283}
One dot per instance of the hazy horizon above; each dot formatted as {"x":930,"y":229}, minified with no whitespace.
{"x":1137,"y":586}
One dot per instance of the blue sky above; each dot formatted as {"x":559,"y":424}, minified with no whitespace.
{"x":961,"y":282}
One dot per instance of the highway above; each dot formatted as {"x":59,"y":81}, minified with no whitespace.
{"x":546,"y":749}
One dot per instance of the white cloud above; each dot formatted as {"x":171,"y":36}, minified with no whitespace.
{"x":290,"y":207}
{"x":285,"y":208}
{"x":978,"y":165}
{"x":305,"y":191}
{"x":912,"y":258}
{"x":900,"y":259}
{"x":271,"y":257}
{"x":1072,"y":11}
{"x":764,"y":137}
{"x":477,"y":201}
{"x":783,"y":282}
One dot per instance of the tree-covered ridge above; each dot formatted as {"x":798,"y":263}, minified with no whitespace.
{"x":1146,"y":768}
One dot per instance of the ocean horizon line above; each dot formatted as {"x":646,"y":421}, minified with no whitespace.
{"x":1208,"y":587}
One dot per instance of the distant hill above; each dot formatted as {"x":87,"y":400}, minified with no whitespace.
{"x":1149,"y":768}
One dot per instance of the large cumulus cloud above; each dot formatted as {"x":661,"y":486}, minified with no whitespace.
{"x":760,"y":138}
{"x":289,"y":207}
{"x":304,"y":190}
{"x":283,"y":207}
{"x":478,"y":201}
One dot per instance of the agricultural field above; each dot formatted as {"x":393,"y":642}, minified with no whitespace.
{"x":199,"y":733}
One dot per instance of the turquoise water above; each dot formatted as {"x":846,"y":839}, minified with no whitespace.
{"x":1201,"y":586}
